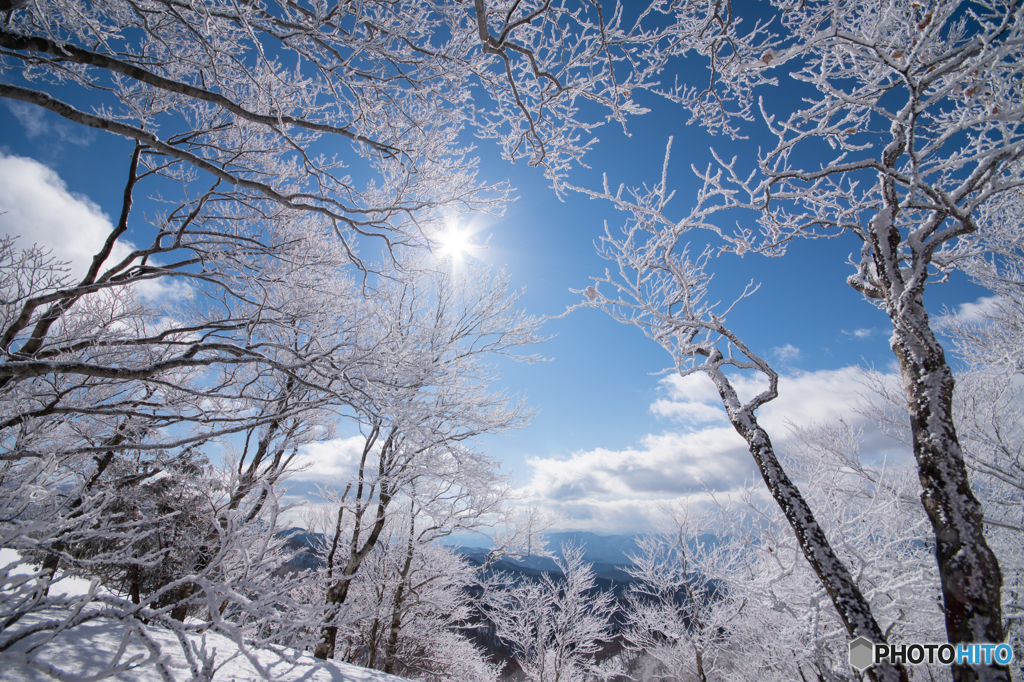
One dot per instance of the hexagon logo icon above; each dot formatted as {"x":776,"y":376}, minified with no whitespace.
{"x":861,"y":653}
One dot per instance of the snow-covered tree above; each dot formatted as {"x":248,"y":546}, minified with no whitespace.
{"x":255,"y":340}
{"x":554,"y":625}
{"x":661,"y":289}
{"x":728,"y":595}
{"x":870,"y":510}
{"x":421,"y":413}
{"x":907,"y":135}
{"x":110,"y":410}
{"x":989,"y":411}
{"x":681,"y":607}
{"x":409,"y":605}
{"x":247,"y":94}
{"x":405,"y":360}
{"x":987,"y":408}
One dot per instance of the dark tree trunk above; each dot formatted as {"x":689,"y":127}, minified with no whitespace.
{"x":853,"y":608}
{"x":134,"y":589}
{"x":374,"y":633}
{"x":971,"y":579}
{"x":180,"y":611}
{"x":336,"y":596}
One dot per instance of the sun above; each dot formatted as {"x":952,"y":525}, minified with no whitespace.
{"x":455,"y":242}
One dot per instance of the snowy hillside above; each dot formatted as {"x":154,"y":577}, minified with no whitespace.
{"x":85,"y":652}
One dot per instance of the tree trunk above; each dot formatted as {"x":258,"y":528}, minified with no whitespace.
{"x":134,"y":589}
{"x":394,"y":630}
{"x":853,"y":608}
{"x":180,"y":612}
{"x":391,"y":651}
{"x":970,"y":574}
{"x":699,"y":656}
{"x":851,"y":605}
{"x":336,"y":595}
{"x":374,"y":632}
{"x":338,"y":592}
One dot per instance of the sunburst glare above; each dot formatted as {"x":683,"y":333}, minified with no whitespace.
{"x":456,"y":243}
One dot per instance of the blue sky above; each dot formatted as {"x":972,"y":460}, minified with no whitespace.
{"x":610,"y":440}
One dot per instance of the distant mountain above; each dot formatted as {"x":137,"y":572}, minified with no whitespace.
{"x":608,"y":549}
{"x":608,"y":554}
{"x":302,"y":542}
{"x":603,"y":551}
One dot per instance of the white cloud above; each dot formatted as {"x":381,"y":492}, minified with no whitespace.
{"x":626,"y":515}
{"x":861,"y":333}
{"x":29,"y":117}
{"x":696,"y":387}
{"x":636,"y":514}
{"x":328,"y":460}
{"x":787,"y":352}
{"x":37,"y":208}
{"x":688,"y":411}
{"x":812,"y":397}
{"x":977,"y":311}
{"x":37,"y":121}
{"x":670,"y":463}
{"x":602,"y":488}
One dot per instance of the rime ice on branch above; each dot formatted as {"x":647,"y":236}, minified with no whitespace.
{"x":913,"y":137}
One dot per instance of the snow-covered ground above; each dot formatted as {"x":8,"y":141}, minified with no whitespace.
{"x":86,"y":650}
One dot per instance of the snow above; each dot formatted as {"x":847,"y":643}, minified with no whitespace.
{"x":87,"y":649}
